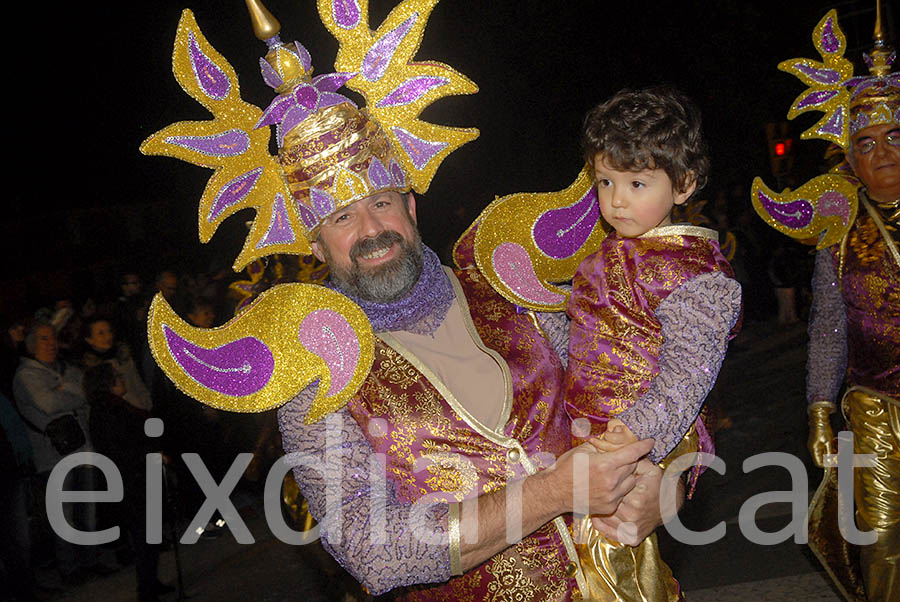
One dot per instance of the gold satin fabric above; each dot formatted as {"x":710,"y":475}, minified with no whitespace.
{"x":875,"y":422}
{"x":622,"y":573}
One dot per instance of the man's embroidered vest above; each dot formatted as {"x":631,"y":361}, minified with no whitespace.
{"x":433,"y":448}
{"x":870,"y":287}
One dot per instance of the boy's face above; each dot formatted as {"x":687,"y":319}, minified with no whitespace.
{"x":635,"y":202}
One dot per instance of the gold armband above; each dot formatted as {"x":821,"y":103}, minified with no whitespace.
{"x":455,"y":552}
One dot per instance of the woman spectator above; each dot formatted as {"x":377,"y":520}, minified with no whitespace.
{"x":48,"y":392}
{"x":102,"y":347}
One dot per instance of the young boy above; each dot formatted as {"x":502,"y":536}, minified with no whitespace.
{"x":652,"y":311}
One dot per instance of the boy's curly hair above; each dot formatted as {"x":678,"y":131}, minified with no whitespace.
{"x":655,"y":128}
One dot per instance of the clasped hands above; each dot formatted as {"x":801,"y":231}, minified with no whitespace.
{"x":619,"y":484}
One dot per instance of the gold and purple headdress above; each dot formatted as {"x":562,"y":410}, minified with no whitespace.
{"x":824,"y":208}
{"x":331,"y":154}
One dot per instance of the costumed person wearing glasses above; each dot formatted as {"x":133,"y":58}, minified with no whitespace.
{"x":413,"y":395}
{"x":854,"y":327}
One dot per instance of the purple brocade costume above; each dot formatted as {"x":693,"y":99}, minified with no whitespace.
{"x":637,"y":305}
{"x":404,"y":420}
{"x":651,"y":318}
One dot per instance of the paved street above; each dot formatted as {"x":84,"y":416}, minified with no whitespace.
{"x":760,"y":393}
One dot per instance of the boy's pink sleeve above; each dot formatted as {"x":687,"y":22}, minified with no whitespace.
{"x":696,"y":320}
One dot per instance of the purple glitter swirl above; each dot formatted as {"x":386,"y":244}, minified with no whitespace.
{"x":397,"y":174}
{"x":559,"y":233}
{"x":419,"y":151}
{"x":822,"y":76}
{"x":227,"y":144}
{"x":835,"y":124}
{"x":795,"y":215}
{"x":411,"y":90}
{"x":279,"y":231}
{"x":233,"y":192}
{"x":378,"y":174}
{"x":816,"y":98}
{"x":380,"y":54}
{"x":310,"y":219}
{"x":211,"y":79}
{"x":238,"y":368}
{"x":322,"y":203}
{"x":829,"y":41}
{"x":271,"y":77}
{"x":346,"y":13}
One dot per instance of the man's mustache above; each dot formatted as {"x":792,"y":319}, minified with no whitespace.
{"x":368,"y":245}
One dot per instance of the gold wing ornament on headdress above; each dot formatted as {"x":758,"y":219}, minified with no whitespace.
{"x":524,"y":243}
{"x":397,"y":89}
{"x":823,"y":209}
{"x":246,"y":174}
{"x":293,"y":334}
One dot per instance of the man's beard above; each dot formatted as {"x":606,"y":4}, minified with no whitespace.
{"x":384,"y":283}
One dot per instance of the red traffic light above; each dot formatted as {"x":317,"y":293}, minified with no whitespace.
{"x":780,"y":149}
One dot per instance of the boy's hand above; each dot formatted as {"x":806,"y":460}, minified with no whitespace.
{"x":617,"y":435}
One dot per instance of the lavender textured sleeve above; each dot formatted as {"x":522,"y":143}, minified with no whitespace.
{"x":827,"y":360}
{"x":383,"y":543}
{"x":556,"y":326}
{"x":696,"y":321}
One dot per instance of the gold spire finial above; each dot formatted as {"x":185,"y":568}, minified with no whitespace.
{"x":265,"y":25}
{"x":881,"y":52}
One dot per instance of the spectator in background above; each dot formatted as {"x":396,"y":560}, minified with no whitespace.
{"x":167,"y":284}
{"x":102,"y":347}
{"x":117,"y":431}
{"x":16,"y":467}
{"x":12,"y":347}
{"x":47,"y":389}
{"x":130,"y":313}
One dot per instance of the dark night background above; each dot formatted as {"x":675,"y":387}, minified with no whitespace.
{"x":95,"y":80}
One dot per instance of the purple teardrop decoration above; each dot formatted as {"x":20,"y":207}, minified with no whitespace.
{"x":322,"y":203}
{"x":822,"y":76}
{"x":835,"y":124}
{"x":310,"y":219}
{"x":816,"y":98}
{"x":345,"y":13}
{"x":269,"y":75}
{"x":796,"y":214}
{"x":418,"y":150}
{"x":303,"y":53}
{"x":279,"y":231}
{"x":830,"y":42}
{"x":328,"y":334}
{"x":397,"y":174}
{"x":210,"y":78}
{"x":331,"y":82}
{"x":411,"y":90}
{"x":378,"y":174}
{"x":833,"y":202}
{"x":239,"y":368}
{"x":233,"y":193}
{"x":227,"y":144}
{"x":330,"y":99}
{"x":559,"y":233}
{"x":380,"y":54}
{"x":294,"y":117}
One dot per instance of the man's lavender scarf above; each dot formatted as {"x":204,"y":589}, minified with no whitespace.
{"x":421,"y":310}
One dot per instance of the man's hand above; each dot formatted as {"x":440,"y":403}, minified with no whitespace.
{"x":593,"y":482}
{"x":640,"y":512}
